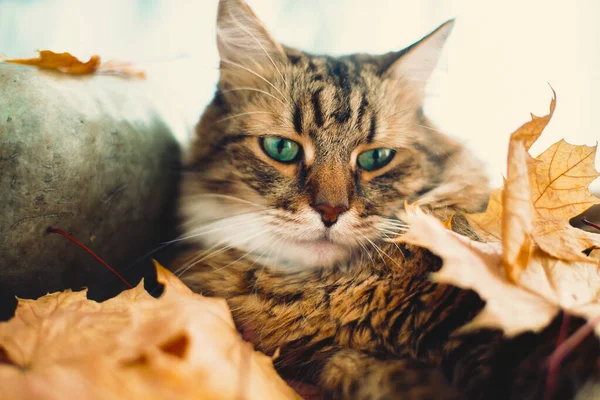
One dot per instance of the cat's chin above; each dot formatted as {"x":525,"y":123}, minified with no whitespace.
{"x":301,"y":254}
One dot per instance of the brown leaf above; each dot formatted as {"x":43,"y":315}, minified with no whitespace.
{"x":63,"y":62}
{"x":534,"y":264}
{"x":181,"y":345}
{"x":547,"y":284}
{"x":69,"y":64}
{"x":478,"y":266}
{"x":517,"y":215}
{"x":488,"y":224}
{"x":529,"y":132}
{"x":558,"y":191}
{"x":559,"y":186}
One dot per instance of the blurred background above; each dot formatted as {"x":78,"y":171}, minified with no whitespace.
{"x":495,"y":70}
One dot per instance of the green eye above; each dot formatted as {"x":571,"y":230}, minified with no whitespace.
{"x":371,"y":160}
{"x":279,"y":149}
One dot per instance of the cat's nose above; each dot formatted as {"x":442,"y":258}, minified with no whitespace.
{"x":329,"y":213}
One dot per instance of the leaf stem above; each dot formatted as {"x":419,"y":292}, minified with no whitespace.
{"x":84,"y":247}
{"x":590,"y":223}
{"x":563,"y":350}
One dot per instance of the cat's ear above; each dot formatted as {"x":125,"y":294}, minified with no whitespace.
{"x":417,"y":62}
{"x":242,"y":39}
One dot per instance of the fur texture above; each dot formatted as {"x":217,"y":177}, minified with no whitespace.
{"x":348,"y":310}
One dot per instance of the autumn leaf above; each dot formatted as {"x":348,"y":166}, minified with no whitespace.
{"x":559,"y":186}
{"x":69,"y":64}
{"x":532,"y":263}
{"x":478,"y":266}
{"x":64,"y":62}
{"x":557,"y":182}
{"x":181,"y":345}
{"x":488,"y":224}
{"x":546,"y":286}
{"x":517,"y":212}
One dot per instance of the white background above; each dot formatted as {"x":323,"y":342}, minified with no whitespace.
{"x":495,"y":70}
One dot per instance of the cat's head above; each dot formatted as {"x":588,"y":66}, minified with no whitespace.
{"x":303,"y":160}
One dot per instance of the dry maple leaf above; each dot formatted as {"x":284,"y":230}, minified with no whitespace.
{"x":180,"y":346}
{"x":64,"y":62}
{"x":533,"y":264}
{"x":544,"y":194}
{"x":69,"y":64}
{"x":478,"y":266}
{"x":546,"y":286}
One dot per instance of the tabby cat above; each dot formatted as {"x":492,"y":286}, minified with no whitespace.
{"x":298,"y":171}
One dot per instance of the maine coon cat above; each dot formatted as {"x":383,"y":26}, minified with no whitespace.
{"x":294,"y":182}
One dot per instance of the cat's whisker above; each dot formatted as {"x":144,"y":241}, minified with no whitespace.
{"x":250,"y":252}
{"x":241,"y":115}
{"x":388,"y":232}
{"x":390,"y":227}
{"x":430,"y":128}
{"x":366,"y":250}
{"x":205,"y":232}
{"x":257,"y":75}
{"x":262,"y":254}
{"x":395,"y":224}
{"x":214,"y":220}
{"x":380,"y":251}
{"x":215,"y":253}
{"x":208,"y":253}
{"x":394,"y":220}
{"x":405,"y":110}
{"x":240,"y":258}
{"x":229,"y":197}
{"x":391,"y":240}
{"x":435,"y":130}
{"x":253,"y":90}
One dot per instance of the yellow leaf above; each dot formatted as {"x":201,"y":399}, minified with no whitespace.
{"x":69,"y":64}
{"x":63,"y":62}
{"x":559,"y":186}
{"x":529,"y":132}
{"x":533,"y":264}
{"x":517,"y":214}
{"x":182,"y":345}
{"x":545,"y":286}
{"x":558,"y":182}
{"x":478,"y":266}
{"x":488,"y":223}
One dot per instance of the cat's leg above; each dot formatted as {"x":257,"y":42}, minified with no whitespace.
{"x":350,"y":374}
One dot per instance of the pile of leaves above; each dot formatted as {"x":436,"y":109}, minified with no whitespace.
{"x":531,"y":262}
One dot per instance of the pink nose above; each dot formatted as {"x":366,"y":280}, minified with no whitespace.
{"x":329,"y":213}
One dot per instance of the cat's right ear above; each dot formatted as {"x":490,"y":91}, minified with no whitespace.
{"x":416,"y":63}
{"x":243,"y":41}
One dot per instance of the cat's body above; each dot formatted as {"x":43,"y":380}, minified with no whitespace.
{"x":298,"y":173}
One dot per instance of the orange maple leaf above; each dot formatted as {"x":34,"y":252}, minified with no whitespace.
{"x":179,"y":346}
{"x":69,"y":64}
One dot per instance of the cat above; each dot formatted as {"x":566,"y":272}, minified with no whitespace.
{"x":294,"y":182}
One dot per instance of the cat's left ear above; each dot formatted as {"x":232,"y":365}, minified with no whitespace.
{"x":242,"y":38}
{"x":417,"y":62}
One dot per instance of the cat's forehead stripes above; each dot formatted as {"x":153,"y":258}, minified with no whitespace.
{"x":335,"y":95}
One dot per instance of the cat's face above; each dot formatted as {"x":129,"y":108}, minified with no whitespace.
{"x":304,"y":160}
